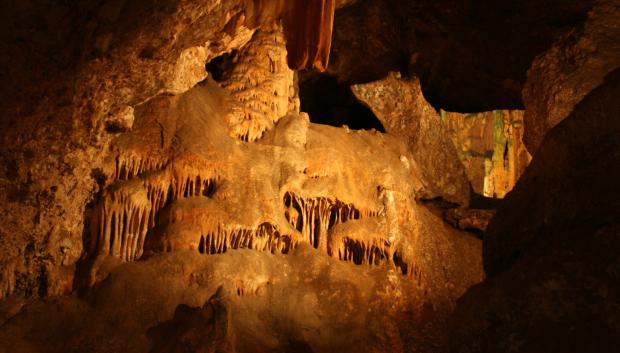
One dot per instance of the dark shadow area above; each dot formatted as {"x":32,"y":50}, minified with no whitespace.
{"x":218,"y":66}
{"x":330,"y":102}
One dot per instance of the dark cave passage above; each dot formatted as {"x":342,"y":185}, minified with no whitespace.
{"x":330,"y":102}
{"x":218,"y":66}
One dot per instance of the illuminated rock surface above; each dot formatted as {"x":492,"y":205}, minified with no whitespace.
{"x":163,"y":189}
{"x":402,"y":109}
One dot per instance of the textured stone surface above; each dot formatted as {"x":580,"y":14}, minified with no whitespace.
{"x":288,"y":223}
{"x":54,"y":136}
{"x":271,"y":302}
{"x":137,"y":205}
{"x":81,"y":67}
{"x":550,"y":251}
{"x":262,"y":86}
{"x":400,"y":106}
{"x":576,"y":64}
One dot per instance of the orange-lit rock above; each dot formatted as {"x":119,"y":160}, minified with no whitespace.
{"x":287,"y":225}
{"x":403,"y":111}
{"x":262,"y":86}
{"x":163,"y":190}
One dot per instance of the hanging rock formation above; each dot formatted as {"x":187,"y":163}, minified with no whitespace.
{"x":262,"y":84}
{"x":93,"y":63}
{"x":296,"y":216}
{"x":309,"y":25}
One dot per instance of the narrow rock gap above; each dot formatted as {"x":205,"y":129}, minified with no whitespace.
{"x":330,"y":102}
{"x":219,"y":66}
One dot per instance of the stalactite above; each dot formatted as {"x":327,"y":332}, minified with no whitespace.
{"x":265,"y":237}
{"x":128,"y":211}
{"x":313,"y":217}
{"x":308,"y":26}
{"x":373,"y":252}
{"x":129,"y":166}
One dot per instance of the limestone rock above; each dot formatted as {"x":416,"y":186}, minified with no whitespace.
{"x":262,"y":86}
{"x":576,"y":64}
{"x":298,"y":216}
{"x":403,"y":111}
{"x":54,"y":137}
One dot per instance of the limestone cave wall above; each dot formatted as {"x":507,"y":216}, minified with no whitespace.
{"x":452,"y":186}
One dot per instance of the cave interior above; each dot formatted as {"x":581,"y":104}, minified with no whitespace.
{"x":310,"y":176}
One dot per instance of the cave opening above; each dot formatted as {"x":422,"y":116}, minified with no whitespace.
{"x":218,"y":66}
{"x":330,"y":102}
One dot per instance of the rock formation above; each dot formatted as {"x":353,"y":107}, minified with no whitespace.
{"x":574,"y":66}
{"x":231,"y":182}
{"x":263,"y":218}
{"x":402,"y":109}
{"x":266,"y":176}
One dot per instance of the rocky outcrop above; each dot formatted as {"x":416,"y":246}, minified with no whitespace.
{"x":576,"y":64}
{"x":400,"y":106}
{"x":550,"y":250}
